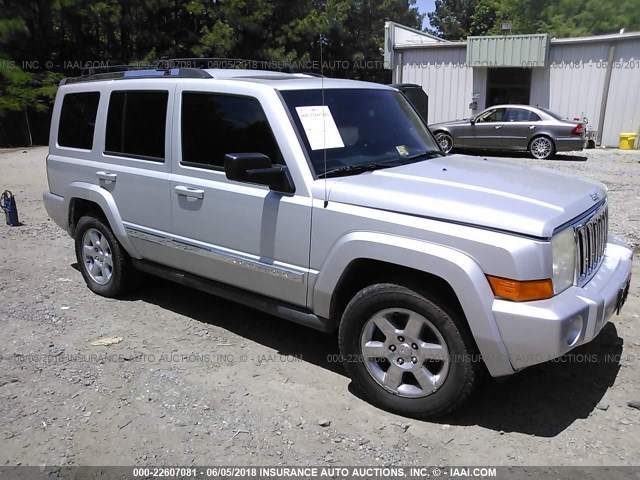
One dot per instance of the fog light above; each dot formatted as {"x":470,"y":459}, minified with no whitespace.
{"x":574,"y":330}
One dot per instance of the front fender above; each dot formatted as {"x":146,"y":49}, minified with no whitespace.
{"x":104,"y":199}
{"x":462,"y":273}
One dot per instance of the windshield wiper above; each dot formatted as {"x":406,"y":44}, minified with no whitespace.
{"x":354,"y":169}
{"x":426,"y":154}
{"x":368,"y":167}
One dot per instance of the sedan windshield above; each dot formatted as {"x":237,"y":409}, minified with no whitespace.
{"x":358,"y":128}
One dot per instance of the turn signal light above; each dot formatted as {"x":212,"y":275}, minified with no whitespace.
{"x":521,"y":291}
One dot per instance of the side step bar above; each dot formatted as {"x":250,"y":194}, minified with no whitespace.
{"x":265,"y":304}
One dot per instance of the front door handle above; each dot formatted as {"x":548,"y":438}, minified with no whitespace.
{"x":191,"y":192}
{"x":106,"y":176}
{"x":497,"y":127}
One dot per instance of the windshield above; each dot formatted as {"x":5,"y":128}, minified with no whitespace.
{"x":360,"y":127}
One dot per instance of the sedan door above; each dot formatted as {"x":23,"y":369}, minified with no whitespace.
{"x":520,"y":126}
{"x":241,"y":234}
{"x":486,"y":132}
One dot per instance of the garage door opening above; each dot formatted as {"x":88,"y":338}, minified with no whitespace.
{"x":508,"y":85}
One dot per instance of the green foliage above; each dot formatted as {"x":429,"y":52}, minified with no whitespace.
{"x":20,"y":90}
{"x":70,"y":33}
{"x":457,"y":19}
{"x":453,"y":19}
{"x":39,"y":37}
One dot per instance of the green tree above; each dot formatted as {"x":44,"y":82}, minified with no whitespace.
{"x":455,"y":19}
{"x":67,"y":35}
{"x":22,"y":91}
{"x":591,"y":17}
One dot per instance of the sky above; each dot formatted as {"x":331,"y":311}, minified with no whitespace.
{"x":425,"y":6}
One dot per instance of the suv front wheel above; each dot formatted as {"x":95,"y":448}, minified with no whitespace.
{"x":105,"y":266}
{"x":406,"y":353}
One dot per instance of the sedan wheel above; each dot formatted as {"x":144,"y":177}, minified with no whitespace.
{"x":445,"y":141}
{"x":541,"y":148}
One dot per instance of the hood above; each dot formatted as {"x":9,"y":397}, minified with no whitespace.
{"x":471,"y":190}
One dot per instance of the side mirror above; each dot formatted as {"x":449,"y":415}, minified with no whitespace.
{"x":257,"y":168}
{"x":472,"y":121}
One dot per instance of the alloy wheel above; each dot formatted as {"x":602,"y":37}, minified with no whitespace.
{"x":97,"y":255}
{"x":445,"y":141}
{"x":541,"y":148}
{"x":404,"y":352}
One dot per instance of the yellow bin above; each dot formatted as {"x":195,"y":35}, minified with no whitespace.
{"x":627,"y":140}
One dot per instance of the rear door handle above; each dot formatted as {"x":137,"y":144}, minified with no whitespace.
{"x":191,"y":192}
{"x":106,"y":176}
{"x":497,"y":127}
{"x":531,"y":127}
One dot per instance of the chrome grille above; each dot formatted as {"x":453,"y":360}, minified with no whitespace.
{"x":591,"y":239}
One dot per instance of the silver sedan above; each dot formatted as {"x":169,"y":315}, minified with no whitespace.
{"x":512,"y":127}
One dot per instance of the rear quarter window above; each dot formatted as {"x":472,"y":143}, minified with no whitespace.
{"x":78,"y":120}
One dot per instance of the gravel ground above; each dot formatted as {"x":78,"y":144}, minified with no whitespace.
{"x":199,"y":380}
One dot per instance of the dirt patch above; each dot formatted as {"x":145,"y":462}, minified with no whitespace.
{"x":199,"y":380}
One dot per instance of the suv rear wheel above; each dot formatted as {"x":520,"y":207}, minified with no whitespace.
{"x":407,"y":353}
{"x":104,"y":264}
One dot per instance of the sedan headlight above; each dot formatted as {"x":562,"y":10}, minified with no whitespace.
{"x":564,"y":260}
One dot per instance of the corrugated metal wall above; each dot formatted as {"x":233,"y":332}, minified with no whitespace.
{"x":571,"y":84}
{"x":508,"y":51}
{"x":623,"y":104}
{"x":443,"y":74}
{"x":576,"y":80}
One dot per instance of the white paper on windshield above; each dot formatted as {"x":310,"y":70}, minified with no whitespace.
{"x":320,"y":127}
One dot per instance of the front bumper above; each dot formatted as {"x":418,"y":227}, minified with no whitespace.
{"x":536,"y":332}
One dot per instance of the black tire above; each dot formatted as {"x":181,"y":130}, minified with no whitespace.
{"x":123,"y":277}
{"x":464,"y":366}
{"x":445,"y":140}
{"x":542,"y":148}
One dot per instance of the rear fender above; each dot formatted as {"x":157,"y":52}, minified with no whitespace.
{"x":106,"y":202}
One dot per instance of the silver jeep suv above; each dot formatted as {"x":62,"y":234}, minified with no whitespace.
{"x":328,"y":203}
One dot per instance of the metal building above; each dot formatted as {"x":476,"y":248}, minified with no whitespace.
{"x":597,"y":77}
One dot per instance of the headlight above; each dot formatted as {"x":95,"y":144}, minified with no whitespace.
{"x":564,"y":260}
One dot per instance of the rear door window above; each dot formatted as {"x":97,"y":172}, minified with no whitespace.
{"x":522,"y":115}
{"x":136,"y":124}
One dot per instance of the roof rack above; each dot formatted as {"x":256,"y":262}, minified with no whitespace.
{"x":142,"y":73}
{"x":186,"y":63}
{"x":191,"y":67}
{"x":226,"y":63}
